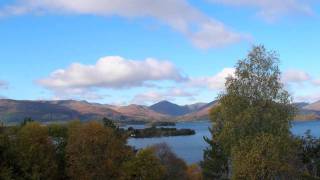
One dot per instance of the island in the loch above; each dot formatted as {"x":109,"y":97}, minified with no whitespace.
{"x":155,"y":129}
{"x":159,"y":132}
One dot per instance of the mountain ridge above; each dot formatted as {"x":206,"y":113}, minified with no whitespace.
{"x":14,"y":111}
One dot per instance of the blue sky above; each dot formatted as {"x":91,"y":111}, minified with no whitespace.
{"x":143,"y":51}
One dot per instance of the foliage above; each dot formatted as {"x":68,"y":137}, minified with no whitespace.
{"x":145,"y":166}
{"x":159,"y":132}
{"x":215,"y":165}
{"x":58,"y":130}
{"x":254,"y":103}
{"x":310,"y":154}
{"x":194,"y":172}
{"x":81,"y":151}
{"x":6,"y":157}
{"x":26,"y":121}
{"x":59,"y":135}
{"x":265,"y":156}
{"x":109,"y":123}
{"x":95,"y":152}
{"x":35,"y":152}
{"x":162,"y":123}
{"x":175,"y":167}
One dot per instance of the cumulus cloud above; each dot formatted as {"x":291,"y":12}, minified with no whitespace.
{"x":272,"y":9}
{"x":111,"y":72}
{"x":295,"y":76}
{"x":153,"y":96}
{"x":298,"y":77}
{"x":215,"y":82}
{"x":203,"y":31}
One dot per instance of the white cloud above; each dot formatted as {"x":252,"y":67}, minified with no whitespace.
{"x":203,"y":31}
{"x":295,"y":76}
{"x":111,"y":72}
{"x":153,"y":96}
{"x":4,"y":84}
{"x":313,"y":97}
{"x":215,"y":82}
{"x":273,"y":9}
{"x":77,"y":94}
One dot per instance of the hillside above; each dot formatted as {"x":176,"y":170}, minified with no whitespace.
{"x":200,"y":114}
{"x":140,"y":112}
{"x":308,"y":111}
{"x":13,"y":111}
{"x":168,"y":108}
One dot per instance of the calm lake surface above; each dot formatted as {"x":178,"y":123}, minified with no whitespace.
{"x":190,"y":148}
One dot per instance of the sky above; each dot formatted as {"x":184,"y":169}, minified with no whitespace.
{"x":144,"y":51}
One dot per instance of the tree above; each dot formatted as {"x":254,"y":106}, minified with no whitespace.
{"x":215,"y":164}
{"x":254,"y":103}
{"x":7,"y":158}
{"x":144,"y":166}
{"x":35,"y":152}
{"x":26,"y":121}
{"x":194,"y":172}
{"x":59,"y":134}
{"x":175,"y":167}
{"x":265,"y":156}
{"x":310,"y":154}
{"x":95,"y":152}
{"x":109,"y":123}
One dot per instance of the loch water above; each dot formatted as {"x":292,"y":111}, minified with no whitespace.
{"x":190,"y":148}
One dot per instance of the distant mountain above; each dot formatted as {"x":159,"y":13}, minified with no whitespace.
{"x":13,"y":111}
{"x":200,"y":114}
{"x":196,"y":106}
{"x":171,"y":109}
{"x":140,"y":112}
{"x":301,"y":105}
{"x":313,"y":106}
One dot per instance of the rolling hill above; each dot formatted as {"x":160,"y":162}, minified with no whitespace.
{"x":171,"y":109}
{"x":13,"y":111}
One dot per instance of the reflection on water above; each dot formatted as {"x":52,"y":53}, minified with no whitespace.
{"x":190,"y":148}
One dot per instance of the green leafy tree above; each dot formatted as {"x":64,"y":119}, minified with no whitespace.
{"x":7,"y":158}
{"x":59,"y":134}
{"x":254,"y":103}
{"x":35,"y":152}
{"x":109,"y":123}
{"x":95,"y":152}
{"x":26,"y":121}
{"x":310,"y":154}
{"x":265,"y":156}
{"x":145,"y":166}
{"x":215,"y":164}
